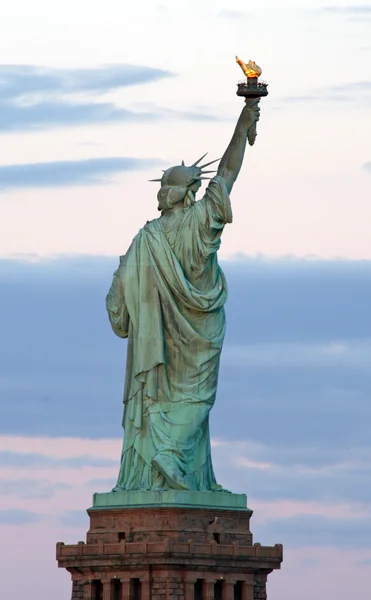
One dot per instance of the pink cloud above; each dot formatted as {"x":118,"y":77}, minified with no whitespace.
{"x":322,"y":573}
{"x":62,"y":447}
{"x":263,"y":509}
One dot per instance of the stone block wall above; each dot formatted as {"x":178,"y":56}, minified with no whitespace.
{"x":169,"y":554}
{"x":77,"y":590}
{"x":170,"y":588}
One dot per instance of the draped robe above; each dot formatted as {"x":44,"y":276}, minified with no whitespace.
{"x":167,"y":297}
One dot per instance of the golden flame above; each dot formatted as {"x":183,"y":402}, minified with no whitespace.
{"x":250,"y":69}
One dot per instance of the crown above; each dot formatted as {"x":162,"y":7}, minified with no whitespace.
{"x":181,"y":175}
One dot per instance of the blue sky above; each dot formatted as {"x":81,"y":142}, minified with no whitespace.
{"x":96,"y":99}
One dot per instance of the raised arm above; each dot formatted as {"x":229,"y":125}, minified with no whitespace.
{"x":230,"y":164}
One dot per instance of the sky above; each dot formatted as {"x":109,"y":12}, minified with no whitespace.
{"x":95,"y":99}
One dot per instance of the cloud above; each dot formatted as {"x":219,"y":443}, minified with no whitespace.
{"x":367,"y":167}
{"x":62,"y":447}
{"x":59,"y":113}
{"x":234,"y":14}
{"x":19,"y":460}
{"x":19,"y":81}
{"x":292,"y":300}
{"x":101,"y":484}
{"x":307,"y":456}
{"x":360,"y":10}
{"x":75,"y":519}
{"x":290,"y":407}
{"x":356,"y":87}
{"x":93,"y":171}
{"x":31,"y":488}
{"x":350,"y":92}
{"x":340,"y":480}
{"x":18,"y":517}
{"x":35,"y":98}
{"x":316,"y":530}
{"x":292,"y":355}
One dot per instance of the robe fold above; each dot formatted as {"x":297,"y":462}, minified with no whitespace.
{"x":167,"y":297}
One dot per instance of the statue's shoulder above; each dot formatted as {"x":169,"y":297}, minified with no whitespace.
{"x":152,"y":226}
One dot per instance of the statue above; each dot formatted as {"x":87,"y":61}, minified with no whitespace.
{"x":167,"y":297}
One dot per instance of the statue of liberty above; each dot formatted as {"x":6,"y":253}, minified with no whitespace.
{"x":167,"y":298}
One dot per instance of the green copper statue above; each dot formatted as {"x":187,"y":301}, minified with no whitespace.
{"x":167,"y":297}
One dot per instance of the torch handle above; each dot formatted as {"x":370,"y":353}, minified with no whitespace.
{"x":253,"y":105}
{"x":251,"y":134}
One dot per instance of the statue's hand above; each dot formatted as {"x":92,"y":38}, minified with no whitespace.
{"x":252,"y":114}
{"x":252,"y":110}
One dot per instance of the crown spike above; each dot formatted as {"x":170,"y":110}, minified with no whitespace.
{"x":155,"y":179}
{"x":199,"y":160}
{"x":209,"y":163}
{"x":183,"y":165}
{"x":204,"y":178}
{"x":204,"y":172}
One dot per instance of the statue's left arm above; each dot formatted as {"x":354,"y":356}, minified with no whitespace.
{"x":231,"y":162}
{"x":115,"y":304}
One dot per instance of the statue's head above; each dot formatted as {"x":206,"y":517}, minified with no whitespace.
{"x":180,"y":184}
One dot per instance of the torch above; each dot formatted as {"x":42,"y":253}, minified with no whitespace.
{"x":252,"y":88}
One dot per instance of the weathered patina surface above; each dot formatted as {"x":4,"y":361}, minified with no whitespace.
{"x":167,"y":297}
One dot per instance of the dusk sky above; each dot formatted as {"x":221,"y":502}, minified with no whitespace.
{"x":95,"y":99}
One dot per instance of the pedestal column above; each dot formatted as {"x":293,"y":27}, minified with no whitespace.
{"x":189,"y":589}
{"x":88,"y":590}
{"x":125,"y":588}
{"x":248,"y":589}
{"x":146,"y":589}
{"x":209,"y":589}
{"x":107,"y":587}
{"x":228,"y":590}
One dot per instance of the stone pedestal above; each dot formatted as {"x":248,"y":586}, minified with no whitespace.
{"x":169,"y":552}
